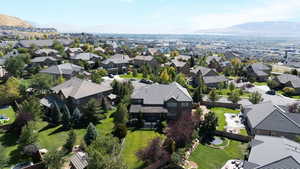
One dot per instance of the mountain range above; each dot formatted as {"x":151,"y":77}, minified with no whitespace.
{"x":6,"y":20}
{"x":268,"y":29}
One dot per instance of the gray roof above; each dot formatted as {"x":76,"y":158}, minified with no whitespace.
{"x":45,"y":51}
{"x":268,"y":116}
{"x":79,"y":160}
{"x":285,"y":78}
{"x":43,"y":43}
{"x":260,"y":72}
{"x":177,"y":63}
{"x":275,"y":151}
{"x":74,"y":50}
{"x":214,"y":57}
{"x":183,"y":57}
{"x":157,"y":94}
{"x":201,"y":69}
{"x":294,"y":64}
{"x":214,"y":79}
{"x":260,"y":66}
{"x":117,"y":59}
{"x":143,"y":58}
{"x":78,"y":88}
{"x":2,"y":61}
{"x":66,"y":68}
{"x":147,"y":109}
{"x":42,"y":59}
{"x":85,"y":56}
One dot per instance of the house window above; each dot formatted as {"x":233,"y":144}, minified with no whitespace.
{"x":185,"y":104}
{"x":171,"y":104}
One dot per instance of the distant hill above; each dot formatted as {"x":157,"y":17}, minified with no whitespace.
{"x":6,"y":20}
{"x":276,"y":29}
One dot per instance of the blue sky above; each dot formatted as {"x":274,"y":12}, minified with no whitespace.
{"x":149,"y":16}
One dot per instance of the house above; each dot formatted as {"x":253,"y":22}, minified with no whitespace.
{"x":259,"y":71}
{"x":79,"y":91}
{"x":88,"y":57}
{"x":79,"y":161}
{"x":3,"y":72}
{"x":118,"y":63}
{"x":273,"y":153}
{"x":140,"y":60}
{"x":66,"y":70}
{"x":211,"y":78}
{"x":215,"y":62}
{"x":100,"y":49}
{"x":73,"y":51}
{"x":43,"y":61}
{"x":180,"y":65}
{"x":288,"y":80}
{"x":184,"y":58}
{"x":157,"y":102}
{"x":153,"y":51}
{"x":46,"y":52}
{"x":273,"y":120}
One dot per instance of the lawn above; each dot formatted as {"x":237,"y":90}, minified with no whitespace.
{"x":134,"y":141}
{"x":8,"y":112}
{"x":219,"y":112}
{"x":211,"y":158}
{"x":130,"y":76}
{"x":51,"y":138}
{"x":260,"y":83}
{"x":226,"y":92}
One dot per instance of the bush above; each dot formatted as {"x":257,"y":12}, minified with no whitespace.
{"x":120,"y":131}
{"x":288,"y":91}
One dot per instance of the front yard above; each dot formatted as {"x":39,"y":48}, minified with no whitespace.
{"x":134,"y":141}
{"x":130,"y":76}
{"x":212,"y":158}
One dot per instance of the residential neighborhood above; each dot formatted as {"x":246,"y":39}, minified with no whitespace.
{"x":99,"y":100}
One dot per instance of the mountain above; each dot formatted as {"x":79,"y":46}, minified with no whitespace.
{"x":270,"y":29}
{"x":6,"y":20}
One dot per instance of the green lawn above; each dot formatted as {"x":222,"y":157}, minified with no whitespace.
{"x":226,"y":92}
{"x":8,"y":112}
{"x":134,"y":141}
{"x":220,"y":111}
{"x":260,"y":83}
{"x":130,"y":76}
{"x":211,"y":158}
{"x":51,"y":138}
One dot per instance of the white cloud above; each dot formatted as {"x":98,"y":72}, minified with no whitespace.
{"x":272,"y":10}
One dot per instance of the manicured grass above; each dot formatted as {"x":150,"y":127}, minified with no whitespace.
{"x":211,"y":158}
{"x":260,"y":83}
{"x":130,"y":76}
{"x":51,"y":138}
{"x":296,"y":97}
{"x":219,"y":112}
{"x":134,"y":141}
{"x":226,"y":92}
{"x":8,"y":112}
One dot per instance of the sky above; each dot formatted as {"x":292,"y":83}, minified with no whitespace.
{"x":149,"y":16}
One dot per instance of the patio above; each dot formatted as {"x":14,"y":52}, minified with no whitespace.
{"x":234,"y":123}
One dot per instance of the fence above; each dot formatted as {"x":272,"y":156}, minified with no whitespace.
{"x":232,"y":136}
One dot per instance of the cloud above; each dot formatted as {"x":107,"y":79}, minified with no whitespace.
{"x":271,"y":10}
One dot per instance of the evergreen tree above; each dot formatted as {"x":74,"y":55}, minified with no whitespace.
{"x":91,"y":134}
{"x":70,"y":142}
{"x":90,"y":111}
{"x":121,"y":115}
{"x":255,"y":98}
{"x":54,"y":160}
{"x":213,"y":95}
{"x":66,"y":118}
{"x":56,"y":114}
{"x":231,"y":86}
{"x":192,"y":62}
{"x":234,"y":97}
{"x":33,"y":106}
{"x":197,"y":97}
{"x":208,"y":127}
{"x":104,"y":105}
{"x":76,"y":116}
{"x":28,"y":135}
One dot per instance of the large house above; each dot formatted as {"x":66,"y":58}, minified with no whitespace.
{"x":288,"y":80}
{"x":211,"y":78}
{"x":88,"y":57}
{"x":140,"y":60}
{"x":159,"y":101}
{"x":273,"y":120}
{"x":180,"y":65}
{"x":273,"y":153}
{"x":78,"y":92}
{"x":43,"y":43}
{"x":43,"y":61}
{"x":259,"y":71}
{"x":116,"y":64}
{"x":46,"y":52}
{"x":66,"y":70}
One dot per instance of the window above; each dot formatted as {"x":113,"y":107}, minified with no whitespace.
{"x":171,"y":104}
{"x":185,"y":104}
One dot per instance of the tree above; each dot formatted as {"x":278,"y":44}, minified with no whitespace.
{"x":42,"y":82}
{"x":255,"y":98}
{"x":288,"y":91}
{"x":96,"y":76}
{"x":213,"y":95}
{"x":10,"y":91}
{"x":104,"y":153}
{"x":164,"y":76}
{"x":3,"y":158}
{"x":90,"y":110}
{"x":121,"y":115}
{"x":28,"y":135}
{"x":197,"y":97}
{"x":294,"y":72}
{"x":76,"y":116}
{"x":56,"y":114}
{"x":54,"y":160}
{"x":207,"y":127}
{"x":272,"y":84}
{"x":104,"y":105}
{"x":192,"y":62}
{"x":231,"y":86}
{"x":154,"y":153}
{"x":15,"y":65}
{"x":32,"y":105}
{"x":91,"y":134}
{"x":70,"y":142}
{"x":134,"y":73}
{"x":181,"y":79}
{"x":120,"y":131}
{"x":234,"y":97}
{"x":66,"y":118}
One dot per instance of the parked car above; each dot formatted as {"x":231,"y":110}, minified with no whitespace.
{"x":111,"y":76}
{"x":271,"y":92}
{"x":146,"y":81}
{"x":22,"y":165}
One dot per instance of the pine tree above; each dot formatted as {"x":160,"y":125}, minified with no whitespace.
{"x":197,"y":97}
{"x":91,"y":134}
{"x":28,"y":135}
{"x":121,"y":115}
{"x":90,"y":111}
{"x":66,"y":118}
{"x":213,"y":95}
{"x":70,"y":141}
{"x":76,"y":116}
{"x":104,"y":105}
{"x":56,"y":114}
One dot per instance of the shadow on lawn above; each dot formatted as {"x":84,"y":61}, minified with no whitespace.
{"x":8,"y":139}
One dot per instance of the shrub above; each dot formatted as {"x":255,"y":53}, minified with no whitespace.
{"x":288,"y":91}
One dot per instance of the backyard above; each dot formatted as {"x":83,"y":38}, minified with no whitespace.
{"x":8,"y":112}
{"x":219,"y":112}
{"x":130,"y":76}
{"x":134,"y":141}
{"x":211,"y":158}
